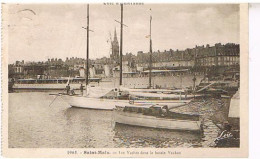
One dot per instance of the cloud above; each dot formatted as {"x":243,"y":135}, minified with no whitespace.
{"x":56,"y":30}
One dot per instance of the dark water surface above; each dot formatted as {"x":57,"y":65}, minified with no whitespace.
{"x":35,"y":124}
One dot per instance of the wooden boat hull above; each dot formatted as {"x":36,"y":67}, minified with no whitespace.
{"x":138,"y":119}
{"x":109,"y":104}
{"x":170,"y":103}
{"x":162,"y":96}
{"x":92,"y":103}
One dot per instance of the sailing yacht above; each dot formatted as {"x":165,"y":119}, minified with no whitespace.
{"x":107,"y":98}
{"x":178,"y":95}
{"x":91,"y":99}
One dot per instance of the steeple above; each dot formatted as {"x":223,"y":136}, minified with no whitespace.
{"x":115,"y":36}
{"x":115,"y":49}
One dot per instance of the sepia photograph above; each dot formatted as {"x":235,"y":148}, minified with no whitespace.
{"x":96,"y":78}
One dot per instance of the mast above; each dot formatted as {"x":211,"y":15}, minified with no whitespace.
{"x":194,"y":70}
{"x":87,"y":56}
{"x":121,"y":45}
{"x":150,"y":61}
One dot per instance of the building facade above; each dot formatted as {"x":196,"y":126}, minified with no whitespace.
{"x":218,"y":55}
{"x":201,"y":58}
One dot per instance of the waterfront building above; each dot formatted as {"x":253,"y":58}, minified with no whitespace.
{"x":165,"y":60}
{"x":201,"y":58}
{"x":218,"y":55}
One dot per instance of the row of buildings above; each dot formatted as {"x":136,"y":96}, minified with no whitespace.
{"x":200,"y":58}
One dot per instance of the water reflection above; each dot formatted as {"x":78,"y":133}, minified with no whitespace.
{"x":35,"y":124}
{"x":135,"y":136}
{"x":94,"y":126}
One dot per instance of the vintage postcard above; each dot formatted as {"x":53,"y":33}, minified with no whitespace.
{"x":124,"y":80}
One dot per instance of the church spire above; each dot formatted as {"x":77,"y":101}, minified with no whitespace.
{"x":115,"y":36}
{"x":115,"y":49}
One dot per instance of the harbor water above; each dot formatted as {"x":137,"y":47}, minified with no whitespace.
{"x":34,"y":123}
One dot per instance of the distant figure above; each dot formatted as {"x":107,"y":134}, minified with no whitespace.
{"x":81,"y":89}
{"x":68,"y":89}
{"x":186,"y":94}
{"x":164,"y":111}
{"x":72,"y":91}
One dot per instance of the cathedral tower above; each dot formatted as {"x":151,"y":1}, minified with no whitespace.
{"x":115,"y":49}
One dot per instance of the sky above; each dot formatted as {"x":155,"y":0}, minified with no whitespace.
{"x":37,"y":32}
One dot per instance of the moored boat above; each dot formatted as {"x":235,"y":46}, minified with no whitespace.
{"x":92,"y":103}
{"x":170,"y":103}
{"x":155,"y":116}
{"x":108,"y":100}
{"x":50,"y":84}
{"x":163,"y":96}
{"x":97,"y":102}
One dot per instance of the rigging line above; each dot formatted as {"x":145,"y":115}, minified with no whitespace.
{"x":75,"y":39}
{"x":93,"y":50}
{"x":53,"y":100}
{"x":72,"y":44}
{"x":80,"y":44}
